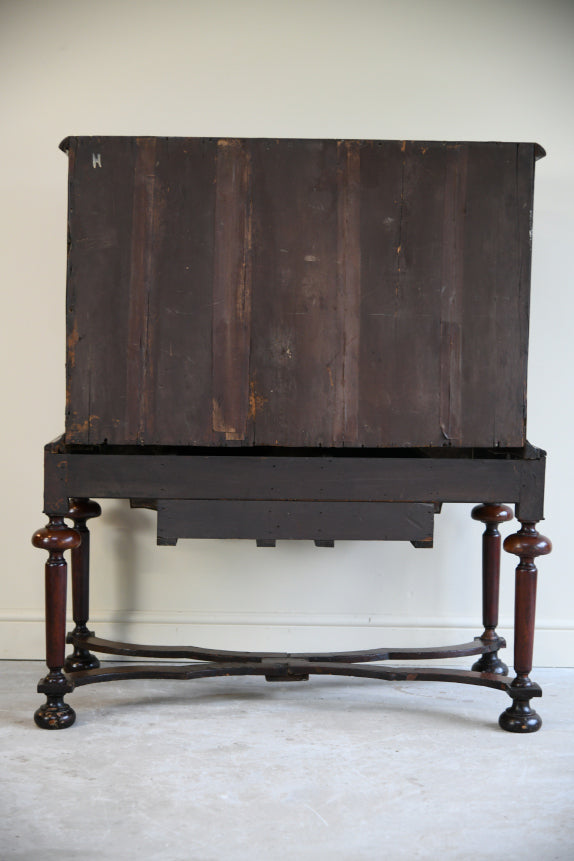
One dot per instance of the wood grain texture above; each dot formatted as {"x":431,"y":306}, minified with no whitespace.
{"x":160,"y":475}
{"x":182,"y":312}
{"x":98,"y":295}
{"x":141,"y":341}
{"x":231,"y":290}
{"x":242,"y":292}
{"x":295,"y":337}
{"x":288,"y":667}
{"x":381,"y":521}
{"x":197,"y":653}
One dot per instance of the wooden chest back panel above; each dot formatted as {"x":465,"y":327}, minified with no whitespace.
{"x":297,"y":292}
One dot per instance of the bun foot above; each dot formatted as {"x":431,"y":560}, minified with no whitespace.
{"x":81,"y":659}
{"x":76,"y":663}
{"x":520,"y":717}
{"x":490,"y":663}
{"x":55,"y":714}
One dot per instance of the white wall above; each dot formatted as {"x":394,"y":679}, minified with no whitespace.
{"x":447,"y":69}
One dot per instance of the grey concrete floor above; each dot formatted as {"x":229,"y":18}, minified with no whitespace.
{"x":334,"y":768}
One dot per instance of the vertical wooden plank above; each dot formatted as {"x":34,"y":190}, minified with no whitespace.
{"x":402,"y":224}
{"x":452,"y":293}
{"x":479,"y":351}
{"x":182,"y":299}
{"x":232,"y":290}
{"x":76,"y":394}
{"x":381,"y":186}
{"x":496,"y":299}
{"x":296,"y":345}
{"x":348,"y":297}
{"x":148,"y":207}
{"x":100,"y":213}
{"x":417,"y":334}
{"x":513,"y":311}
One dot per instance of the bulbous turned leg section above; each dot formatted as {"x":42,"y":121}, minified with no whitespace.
{"x":54,"y":713}
{"x":490,"y":663}
{"x":56,"y":538}
{"x":80,"y":511}
{"x":527,"y":544}
{"x":520,"y":717}
{"x":491,"y":515}
{"x":80,"y":659}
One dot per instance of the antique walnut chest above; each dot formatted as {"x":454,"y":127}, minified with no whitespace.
{"x":294,"y":339}
{"x":298,"y":293}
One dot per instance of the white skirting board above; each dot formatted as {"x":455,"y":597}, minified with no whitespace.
{"x":22,"y":633}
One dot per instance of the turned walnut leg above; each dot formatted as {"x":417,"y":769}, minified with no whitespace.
{"x":491,"y":515}
{"x":56,"y":537}
{"x":527,"y":545}
{"x":80,"y":511}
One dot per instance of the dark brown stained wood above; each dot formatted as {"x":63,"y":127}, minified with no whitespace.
{"x":415,"y":395}
{"x":287,"y":667}
{"x":182,"y":305}
{"x":144,"y":300}
{"x":413,"y":332}
{"x":56,"y":538}
{"x":98,"y":299}
{"x":484,"y":178}
{"x":452,"y":293}
{"x":296,"y":345}
{"x":345,"y":374}
{"x":384,"y":479}
{"x":231,"y":290}
{"x":197,"y":653}
{"x":379,"y":521}
{"x":282,"y":339}
{"x":381,"y":204}
{"x":497,"y":294}
{"x":147,"y":213}
{"x":298,"y":292}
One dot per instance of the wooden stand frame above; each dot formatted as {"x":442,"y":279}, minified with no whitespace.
{"x":273,"y":494}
